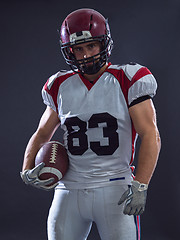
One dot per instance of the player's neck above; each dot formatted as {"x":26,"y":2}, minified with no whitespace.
{"x":93,"y":77}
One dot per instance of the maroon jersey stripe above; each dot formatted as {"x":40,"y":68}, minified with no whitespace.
{"x":123,"y":81}
{"x":53,"y":91}
{"x":125,"y":84}
{"x":139,"y":74}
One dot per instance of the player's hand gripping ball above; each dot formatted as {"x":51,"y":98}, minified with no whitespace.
{"x":53,"y":154}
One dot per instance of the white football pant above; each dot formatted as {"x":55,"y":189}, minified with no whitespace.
{"x":73,"y":211}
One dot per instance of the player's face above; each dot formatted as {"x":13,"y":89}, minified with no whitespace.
{"x":86,"y":50}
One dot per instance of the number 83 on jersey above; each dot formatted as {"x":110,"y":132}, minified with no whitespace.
{"x":77,"y":132}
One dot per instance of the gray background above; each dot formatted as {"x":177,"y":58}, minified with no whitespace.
{"x":146,"y":32}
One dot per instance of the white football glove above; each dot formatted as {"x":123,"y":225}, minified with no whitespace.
{"x":134,"y":198}
{"x":30,"y":177}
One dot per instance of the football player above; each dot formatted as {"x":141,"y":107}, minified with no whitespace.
{"x":102,"y":108}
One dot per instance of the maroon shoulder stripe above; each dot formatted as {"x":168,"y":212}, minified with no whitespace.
{"x":53,"y":91}
{"x":123,"y":81}
{"x":139,"y":74}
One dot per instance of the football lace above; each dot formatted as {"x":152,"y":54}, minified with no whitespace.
{"x":53,"y":153}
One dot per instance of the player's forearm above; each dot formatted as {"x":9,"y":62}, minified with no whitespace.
{"x":148,"y":156}
{"x":33,"y":146}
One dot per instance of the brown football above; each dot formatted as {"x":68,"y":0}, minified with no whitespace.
{"x":55,"y":157}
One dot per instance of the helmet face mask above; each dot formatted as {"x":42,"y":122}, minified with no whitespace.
{"x":82,"y":26}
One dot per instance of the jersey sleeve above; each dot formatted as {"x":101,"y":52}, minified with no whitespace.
{"x":142,"y":82}
{"x":47,"y":96}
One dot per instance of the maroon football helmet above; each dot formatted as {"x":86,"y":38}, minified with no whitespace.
{"x":85,"y":25}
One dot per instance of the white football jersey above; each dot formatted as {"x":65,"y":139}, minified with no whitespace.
{"x":98,"y":132}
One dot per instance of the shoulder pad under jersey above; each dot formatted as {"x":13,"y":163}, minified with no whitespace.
{"x":51,"y":88}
